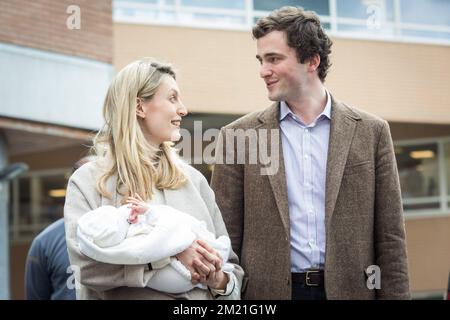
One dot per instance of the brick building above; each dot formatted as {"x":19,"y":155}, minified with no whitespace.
{"x":56,"y":63}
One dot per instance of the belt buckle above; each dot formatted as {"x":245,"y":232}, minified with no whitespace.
{"x":309,"y":284}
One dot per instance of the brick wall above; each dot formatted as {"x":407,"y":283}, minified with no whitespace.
{"x":41,"y":24}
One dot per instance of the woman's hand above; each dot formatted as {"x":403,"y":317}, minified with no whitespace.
{"x":138,"y":207}
{"x":216,"y":279}
{"x":195,"y":262}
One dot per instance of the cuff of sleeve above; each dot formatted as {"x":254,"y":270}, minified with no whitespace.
{"x":134,"y":275}
{"x":229,"y":288}
{"x":160,"y":263}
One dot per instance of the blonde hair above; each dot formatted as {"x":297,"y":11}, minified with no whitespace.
{"x":138,"y":165}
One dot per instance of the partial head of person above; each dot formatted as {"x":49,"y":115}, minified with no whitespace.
{"x":143,"y":113}
{"x":81,"y":162}
{"x":293,"y":51}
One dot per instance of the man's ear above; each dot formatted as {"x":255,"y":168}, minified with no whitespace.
{"x":314,"y":62}
{"x":140,"y":109}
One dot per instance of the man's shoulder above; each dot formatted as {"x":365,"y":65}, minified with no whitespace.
{"x":360,"y":114}
{"x":250,"y":120}
{"x":366,"y":120}
{"x":51,"y":233}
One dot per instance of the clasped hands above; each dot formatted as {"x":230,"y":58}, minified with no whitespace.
{"x":204,"y":264}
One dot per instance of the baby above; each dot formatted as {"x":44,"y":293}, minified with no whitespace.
{"x":138,"y":233}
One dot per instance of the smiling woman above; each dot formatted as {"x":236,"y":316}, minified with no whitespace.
{"x":160,"y":115}
{"x":143,"y":113}
{"x":140,"y":105}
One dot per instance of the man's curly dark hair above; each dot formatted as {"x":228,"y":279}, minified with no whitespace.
{"x":304,"y":33}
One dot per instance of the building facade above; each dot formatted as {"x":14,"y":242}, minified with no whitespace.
{"x":56,"y":64}
{"x":389,"y":58}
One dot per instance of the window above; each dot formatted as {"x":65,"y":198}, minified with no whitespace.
{"x":366,"y":17}
{"x":426,"y":12}
{"x":419,"y":176}
{"x":399,"y":20}
{"x":321,"y":7}
{"x":447,"y":168}
{"x":37,"y":200}
{"x":217,"y":4}
{"x":213,"y":14}
{"x":358,"y":9}
{"x":423,"y":169}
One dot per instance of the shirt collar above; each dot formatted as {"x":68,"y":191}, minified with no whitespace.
{"x":285,"y":110}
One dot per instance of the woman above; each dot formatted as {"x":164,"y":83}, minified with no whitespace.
{"x":143,"y":112}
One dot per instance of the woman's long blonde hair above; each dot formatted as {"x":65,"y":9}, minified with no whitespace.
{"x":138,"y":165}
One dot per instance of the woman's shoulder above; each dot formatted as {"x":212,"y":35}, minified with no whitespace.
{"x":89,"y":171}
{"x":191,"y":173}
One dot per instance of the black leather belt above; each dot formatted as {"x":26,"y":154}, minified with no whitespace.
{"x":310,"y":278}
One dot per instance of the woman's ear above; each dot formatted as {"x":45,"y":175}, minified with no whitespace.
{"x":139,"y":108}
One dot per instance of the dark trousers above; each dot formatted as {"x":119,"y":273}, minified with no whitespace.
{"x":303,"y":292}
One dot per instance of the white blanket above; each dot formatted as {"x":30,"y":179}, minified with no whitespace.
{"x":105,"y":235}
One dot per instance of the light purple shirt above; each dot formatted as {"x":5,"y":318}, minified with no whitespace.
{"x":305,"y":150}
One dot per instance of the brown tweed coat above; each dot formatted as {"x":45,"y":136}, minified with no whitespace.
{"x":364,"y":217}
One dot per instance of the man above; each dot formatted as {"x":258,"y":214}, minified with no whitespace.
{"x":46,"y":272}
{"x":328,"y":224}
{"x":47,"y":262}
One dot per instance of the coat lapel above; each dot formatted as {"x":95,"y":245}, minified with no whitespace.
{"x":343,"y":124}
{"x":270,"y":121}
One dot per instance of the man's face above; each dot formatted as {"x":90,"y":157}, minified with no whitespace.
{"x":283,"y":74}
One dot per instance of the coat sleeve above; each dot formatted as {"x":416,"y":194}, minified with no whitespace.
{"x":390,"y":238}
{"x":82,"y":197}
{"x":227,"y":183}
{"x":220,"y":230}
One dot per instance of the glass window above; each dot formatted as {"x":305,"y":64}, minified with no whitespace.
{"x":218,"y":4}
{"x":211,"y":19}
{"x":141,"y":1}
{"x":321,"y":7}
{"x":36,"y":201}
{"x":426,"y":34}
{"x":325,"y":25}
{"x":419,"y":175}
{"x":359,"y":9}
{"x":431,"y":12}
{"x":382,"y":30}
{"x":447,"y":166}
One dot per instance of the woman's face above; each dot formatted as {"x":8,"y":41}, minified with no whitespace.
{"x":160,"y":117}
